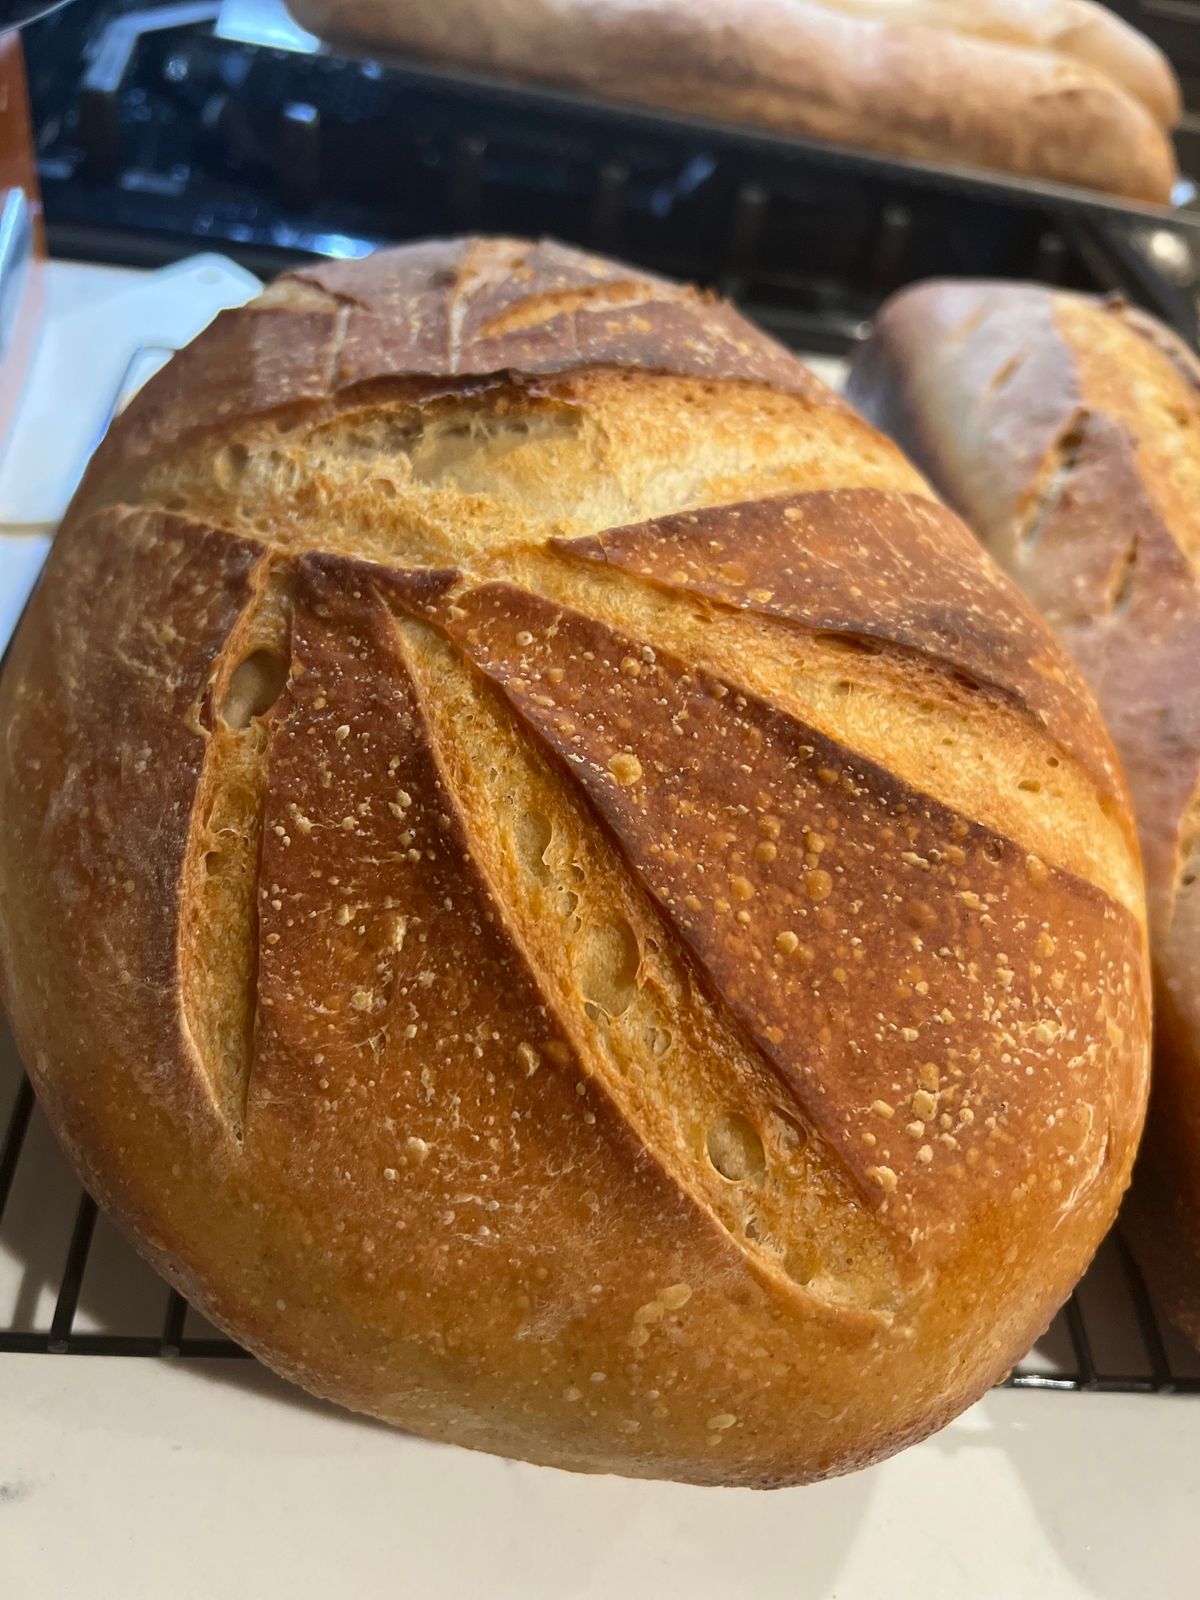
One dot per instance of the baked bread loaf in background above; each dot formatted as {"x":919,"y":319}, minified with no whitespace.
{"x":1066,"y":431}
{"x":555,"y":891}
{"x":1077,"y":30}
{"x":1054,"y":89}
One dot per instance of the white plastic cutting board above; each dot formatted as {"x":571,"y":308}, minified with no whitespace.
{"x":106,"y":331}
{"x":98,"y":318}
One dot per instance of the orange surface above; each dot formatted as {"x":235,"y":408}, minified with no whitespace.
{"x":18,"y":167}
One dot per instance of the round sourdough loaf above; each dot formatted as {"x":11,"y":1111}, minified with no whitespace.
{"x":554,"y":890}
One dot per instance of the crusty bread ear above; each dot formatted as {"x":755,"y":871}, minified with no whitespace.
{"x":1065,"y":430}
{"x":1051,"y":89}
{"x":553,"y":889}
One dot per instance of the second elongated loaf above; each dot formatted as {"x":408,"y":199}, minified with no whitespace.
{"x":1066,"y":430}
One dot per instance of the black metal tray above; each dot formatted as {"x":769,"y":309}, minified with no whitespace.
{"x":257,"y":23}
{"x":170,"y":136}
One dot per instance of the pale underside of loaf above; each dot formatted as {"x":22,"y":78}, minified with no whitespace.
{"x":619,"y":902}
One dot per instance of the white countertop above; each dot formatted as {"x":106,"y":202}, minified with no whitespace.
{"x":214,"y":1480}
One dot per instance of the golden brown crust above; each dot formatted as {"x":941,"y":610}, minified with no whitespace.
{"x":446,"y":310}
{"x":868,"y":877}
{"x":1065,"y":431}
{"x":563,"y":1013}
{"x":1076,"y":29}
{"x":1074,"y":97}
{"x":876,"y":568}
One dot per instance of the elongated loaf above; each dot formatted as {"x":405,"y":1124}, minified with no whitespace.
{"x":1056,"y":89}
{"x":1077,"y":30}
{"x":1067,"y":432}
{"x":555,"y":890}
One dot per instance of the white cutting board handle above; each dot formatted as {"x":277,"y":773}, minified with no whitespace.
{"x":88,"y":364}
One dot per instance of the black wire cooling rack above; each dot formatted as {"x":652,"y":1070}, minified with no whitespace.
{"x":76,"y":1288}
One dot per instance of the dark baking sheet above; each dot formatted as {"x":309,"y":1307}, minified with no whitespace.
{"x":164,"y":128}
{"x":268,"y":23}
